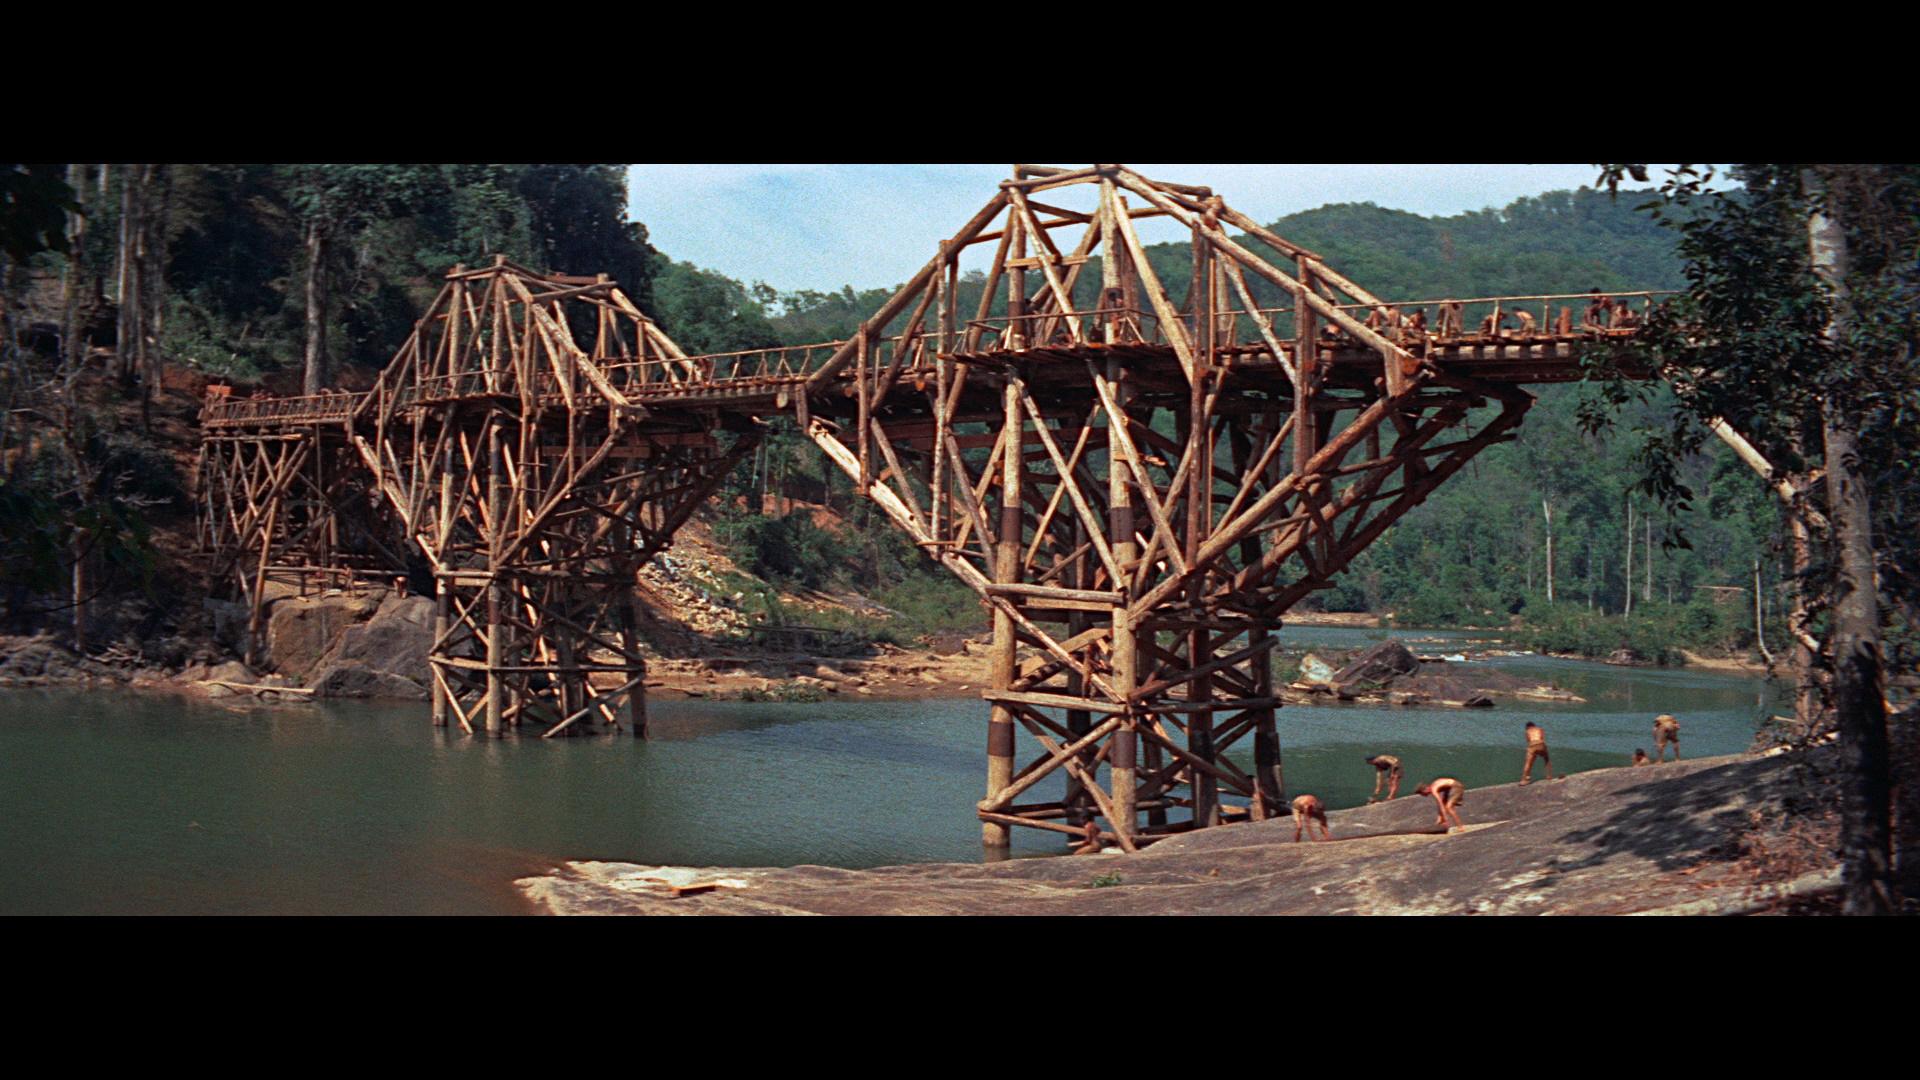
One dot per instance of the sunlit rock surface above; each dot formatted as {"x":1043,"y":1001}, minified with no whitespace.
{"x":1676,"y":837}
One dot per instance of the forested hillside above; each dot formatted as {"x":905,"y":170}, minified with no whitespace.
{"x":1477,"y":551}
{"x":315,"y":274}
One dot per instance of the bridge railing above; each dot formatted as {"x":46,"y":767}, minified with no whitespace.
{"x":320,"y":408}
{"x":785,"y":363}
{"x":1468,"y":318}
{"x":1595,"y":314}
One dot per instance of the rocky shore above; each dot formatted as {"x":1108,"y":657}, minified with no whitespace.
{"x":1728,"y":835}
{"x":375,"y":645}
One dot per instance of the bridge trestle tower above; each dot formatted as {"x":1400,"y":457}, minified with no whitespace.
{"x":509,"y":452}
{"x":1140,"y":487}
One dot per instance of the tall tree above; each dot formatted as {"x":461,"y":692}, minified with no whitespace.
{"x":1797,"y":330}
{"x":334,"y":202}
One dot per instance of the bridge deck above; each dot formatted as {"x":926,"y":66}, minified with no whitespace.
{"x":738,"y":382}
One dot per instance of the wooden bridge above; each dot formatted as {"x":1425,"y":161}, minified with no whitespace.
{"x":1137,"y":488}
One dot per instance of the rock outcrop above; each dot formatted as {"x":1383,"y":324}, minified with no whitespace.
{"x":384,"y":657}
{"x":1701,"y":836}
{"x":1391,"y":674}
{"x":1378,"y":666}
{"x":353,"y":646}
{"x":302,"y":631}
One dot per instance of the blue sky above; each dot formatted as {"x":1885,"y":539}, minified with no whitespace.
{"x":823,"y":226}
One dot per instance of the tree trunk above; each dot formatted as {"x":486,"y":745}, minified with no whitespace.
{"x":124,"y":332}
{"x":1646,"y":556}
{"x":1548,"y":511}
{"x":74,"y":286}
{"x":153,"y":281}
{"x":1760,"y":618}
{"x":79,"y":542}
{"x":1866,"y":808}
{"x":316,"y":376}
{"x":1808,"y":706}
{"x":1626,"y":604}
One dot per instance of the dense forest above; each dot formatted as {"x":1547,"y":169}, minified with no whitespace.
{"x":314,"y":274}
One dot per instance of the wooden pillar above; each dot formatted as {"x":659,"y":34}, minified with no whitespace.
{"x":1198,"y":426}
{"x":1079,"y":721}
{"x":443,"y":700}
{"x":636,"y":703}
{"x":1306,"y":328}
{"x":1123,"y":745}
{"x":1004,"y":667}
{"x":1123,"y":753}
{"x":496,"y":586}
{"x":442,"y":613}
{"x":1269,"y":782}
{"x":570,"y":685}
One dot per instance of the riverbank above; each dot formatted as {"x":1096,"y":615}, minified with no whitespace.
{"x":890,"y":673}
{"x":1733,"y":834}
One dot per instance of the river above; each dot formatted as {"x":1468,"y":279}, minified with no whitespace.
{"x":118,"y":803}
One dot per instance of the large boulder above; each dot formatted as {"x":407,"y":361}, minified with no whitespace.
{"x":1315,"y":671}
{"x":1378,"y":666}
{"x":351,"y":680}
{"x":301,"y":631}
{"x":384,"y":657}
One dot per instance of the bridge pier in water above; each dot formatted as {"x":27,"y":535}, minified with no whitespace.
{"x":1138,"y":485}
{"x":509,"y":449}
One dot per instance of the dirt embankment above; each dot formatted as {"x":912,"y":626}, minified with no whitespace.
{"x":1719,"y":835}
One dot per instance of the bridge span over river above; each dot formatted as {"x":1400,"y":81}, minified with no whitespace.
{"x":1138,"y":487}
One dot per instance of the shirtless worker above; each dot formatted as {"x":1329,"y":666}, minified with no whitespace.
{"x":1536,"y":748}
{"x":1091,"y":842}
{"x":1386,"y":769}
{"x":1599,"y":313}
{"x":1447,"y":794}
{"x":1306,"y":811}
{"x":1414,"y":330}
{"x":1640,"y":757}
{"x":1665,"y":730}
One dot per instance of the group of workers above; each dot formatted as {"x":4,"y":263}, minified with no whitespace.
{"x":1602,"y":313}
{"x":1448,"y":793}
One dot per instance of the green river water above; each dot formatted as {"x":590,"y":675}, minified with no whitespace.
{"x":114,"y":802}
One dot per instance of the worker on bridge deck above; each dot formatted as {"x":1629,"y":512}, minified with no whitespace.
{"x":1599,"y":312}
{"x":1453,"y":314}
{"x":1384,"y":320}
{"x":1414,"y":330}
{"x":1623,"y":317}
{"x":1525,"y":317}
